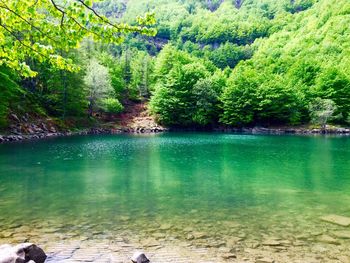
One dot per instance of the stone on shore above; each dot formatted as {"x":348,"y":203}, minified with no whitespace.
{"x":336,"y":219}
{"x":35,"y":253}
{"x":139,"y":257}
{"x":26,"y":252}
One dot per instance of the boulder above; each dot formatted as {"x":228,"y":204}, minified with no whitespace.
{"x":22,"y":253}
{"x":35,"y":253}
{"x":138,"y":257}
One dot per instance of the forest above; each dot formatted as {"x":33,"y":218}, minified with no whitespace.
{"x":206,"y":63}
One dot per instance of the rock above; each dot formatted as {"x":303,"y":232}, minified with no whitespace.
{"x":271,"y":243}
{"x":30,"y":131}
{"x":44,"y":127}
{"x":189,"y":237}
{"x":199,"y":235}
{"x":159,"y":235}
{"x":342,"y":234}
{"x":14,"y":117}
{"x":35,"y":253}
{"x":25,"y":117}
{"x":336,"y":219}
{"x":151,"y":242}
{"x":264,"y":260}
{"x":165,"y":227}
{"x":22,"y":253}
{"x":229,"y":255}
{"x":139,"y":257}
{"x":1,"y":139}
{"x":328,"y":240}
{"x":226,"y":250}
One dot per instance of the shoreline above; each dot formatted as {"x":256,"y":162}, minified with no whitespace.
{"x":157,"y":130}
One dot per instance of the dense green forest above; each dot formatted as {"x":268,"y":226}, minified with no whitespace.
{"x":210,"y":63}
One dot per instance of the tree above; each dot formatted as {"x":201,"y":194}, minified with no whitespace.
{"x":335,"y":85}
{"x":173,"y":101}
{"x":41,"y":29}
{"x":321,"y":111}
{"x":98,"y":81}
{"x":239,"y":98}
{"x":207,"y":93}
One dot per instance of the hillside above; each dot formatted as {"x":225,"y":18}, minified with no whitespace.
{"x":211,"y":63}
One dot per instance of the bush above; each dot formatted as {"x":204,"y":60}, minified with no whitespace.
{"x":112,"y":106}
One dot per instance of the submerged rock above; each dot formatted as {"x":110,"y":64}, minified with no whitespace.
{"x":342,"y":234}
{"x":271,"y":243}
{"x":336,"y":219}
{"x":165,"y":227}
{"x":26,"y":252}
{"x":229,"y":256}
{"x":328,"y":239}
{"x":264,"y":260}
{"x":139,"y":257}
{"x":199,"y":235}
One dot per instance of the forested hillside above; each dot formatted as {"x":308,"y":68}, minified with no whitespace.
{"x":211,"y":63}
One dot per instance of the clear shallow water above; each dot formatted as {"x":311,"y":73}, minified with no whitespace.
{"x":195,"y":188}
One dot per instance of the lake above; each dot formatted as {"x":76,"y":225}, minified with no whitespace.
{"x":180,"y":197}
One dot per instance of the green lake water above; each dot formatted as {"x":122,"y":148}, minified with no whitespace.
{"x":215,"y":186}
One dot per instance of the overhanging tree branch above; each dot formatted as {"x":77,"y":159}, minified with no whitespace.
{"x":20,"y":40}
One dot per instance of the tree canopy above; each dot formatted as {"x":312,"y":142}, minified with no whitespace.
{"x":198,"y":63}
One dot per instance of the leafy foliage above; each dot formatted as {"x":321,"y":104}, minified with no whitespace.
{"x":9,"y":90}
{"x":111,"y":105}
{"x":218,"y":62}
{"x":42,"y":29}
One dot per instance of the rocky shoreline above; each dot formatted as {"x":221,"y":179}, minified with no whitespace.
{"x":326,"y":241}
{"x":25,"y":128}
{"x":91,"y":131}
{"x":287,"y":130}
{"x":42,"y":133}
